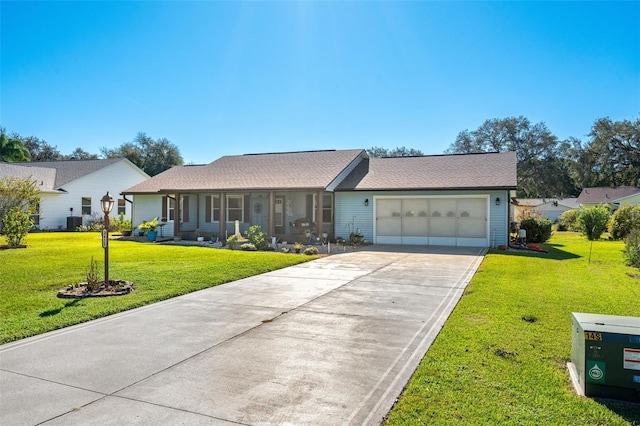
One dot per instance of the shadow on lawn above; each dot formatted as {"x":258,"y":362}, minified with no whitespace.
{"x":56,"y":311}
{"x":627,"y":410}
{"x":553,"y":253}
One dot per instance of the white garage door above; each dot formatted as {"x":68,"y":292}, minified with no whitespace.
{"x":432,"y":221}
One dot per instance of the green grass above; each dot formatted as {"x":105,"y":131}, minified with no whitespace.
{"x":30,"y":278}
{"x":489,"y":366}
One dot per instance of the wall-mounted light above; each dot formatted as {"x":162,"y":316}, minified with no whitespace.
{"x":366,"y":201}
{"x":497,"y":201}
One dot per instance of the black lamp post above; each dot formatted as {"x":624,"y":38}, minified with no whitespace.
{"x":107,"y":204}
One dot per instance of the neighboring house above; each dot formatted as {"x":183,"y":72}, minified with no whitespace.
{"x":616,"y":196}
{"x":431,"y":200}
{"x":550,"y":208}
{"x":73,"y":188}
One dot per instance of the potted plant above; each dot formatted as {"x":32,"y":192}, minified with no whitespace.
{"x":297,"y":247}
{"x":199,"y":237}
{"x":150,"y":228}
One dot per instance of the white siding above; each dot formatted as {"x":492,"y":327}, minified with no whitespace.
{"x":114,"y":178}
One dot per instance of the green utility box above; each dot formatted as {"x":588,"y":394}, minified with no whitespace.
{"x":606,"y":355}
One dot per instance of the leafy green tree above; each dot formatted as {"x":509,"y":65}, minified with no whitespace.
{"x":80,"y":154}
{"x":39,"y":149}
{"x":542,"y":171}
{"x":152,"y":156}
{"x":378,"y":151}
{"x":593,"y":221}
{"x":611,"y":156}
{"x":12,"y":149}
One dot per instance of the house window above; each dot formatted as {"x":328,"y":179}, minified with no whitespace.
{"x":171,"y":208}
{"x":86,"y":206}
{"x":215,"y":209}
{"x":36,"y":216}
{"x":212,"y":208}
{"x":235,"y":207}
{"x":121,"y":206}
{"x":327,"y":208}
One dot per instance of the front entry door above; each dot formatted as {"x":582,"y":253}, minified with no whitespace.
{"x":279,"y":215}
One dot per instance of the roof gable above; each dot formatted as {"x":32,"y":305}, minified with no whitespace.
{"x":460,"y":171}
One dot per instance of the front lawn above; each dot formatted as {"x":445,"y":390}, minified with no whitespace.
{"x":501,"y":357}
{"x":30,"y":278}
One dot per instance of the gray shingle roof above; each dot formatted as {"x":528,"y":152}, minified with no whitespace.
{"x":606,"y":194}
{"x":468,"y":171}
{"x":288,"y":170}
{"x":44,"y":177}
{"x":70,"y":170}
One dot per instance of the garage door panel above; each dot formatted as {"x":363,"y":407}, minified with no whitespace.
{"x":388,"y":217}
{"x":432,"y":221}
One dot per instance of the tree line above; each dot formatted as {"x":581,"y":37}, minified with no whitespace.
{"x":153,"y":156}
{"x":547,"y":167}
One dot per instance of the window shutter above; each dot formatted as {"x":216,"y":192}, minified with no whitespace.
{"x":247,"y":209}
{"x":164,"y":207}
{"x":185,"y":208}
{"x":207,"y":208}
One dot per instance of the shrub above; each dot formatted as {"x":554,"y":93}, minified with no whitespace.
{"x":17,"y":224}
{"x":538,"y":229}
{"x":310,"y":251}
{"x":93,"y":276}
{"x":257,"y":237}
{"x":248,"y":247}
{"x":568,"y":220}
{"x":593,"y":221}
{"x":623,"y":221}
{"x":632,"y":248}
{"x":122,"y":224}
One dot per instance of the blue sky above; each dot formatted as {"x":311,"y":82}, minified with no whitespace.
{"x":222,"y":78}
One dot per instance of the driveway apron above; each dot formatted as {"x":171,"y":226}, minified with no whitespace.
{"x":328,"y":342}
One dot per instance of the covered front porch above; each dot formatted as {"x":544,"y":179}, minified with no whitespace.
{"x":295,"y":215}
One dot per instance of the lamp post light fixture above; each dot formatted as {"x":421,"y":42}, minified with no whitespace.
{"x":107,"y":204}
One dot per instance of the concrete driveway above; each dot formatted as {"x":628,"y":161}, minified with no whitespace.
{"x":329,"y":342}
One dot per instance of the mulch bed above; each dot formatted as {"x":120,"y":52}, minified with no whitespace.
{"x":79,"y":291}
{"x":7,"y":247}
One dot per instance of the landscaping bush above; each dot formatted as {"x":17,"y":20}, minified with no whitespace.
{"x":310,"y":251}
{"x":593,"y":221}
{"x":257,"y":237}
{"x":538,"y":229}
{"x":17,"y":224}
{"x":568,"y":220}
{"x":632,"y":248}
{"x":248,"y":247}
{"x":623,"y":221}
